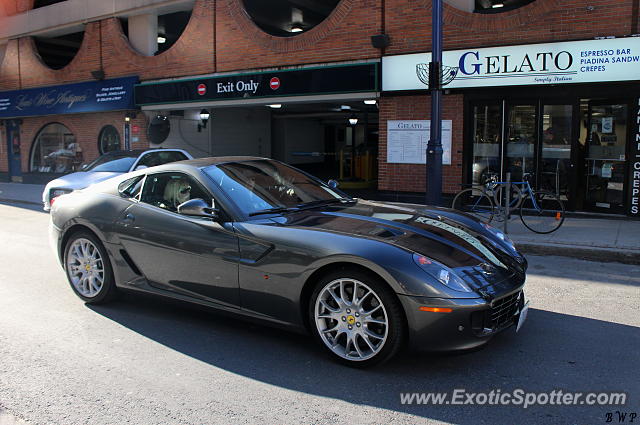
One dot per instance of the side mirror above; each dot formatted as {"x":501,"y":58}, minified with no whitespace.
{"x":140,"y":167}
{"x":333,"y":184}
{"x":84,"y":166}
{"x":198,"y":208}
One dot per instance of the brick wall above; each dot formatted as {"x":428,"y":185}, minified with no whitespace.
{"x":412,"y":177}
{"x":85,"y":127}
{"x":343,"y":35}
{"x":408,"y":23}
{"x":222,"y":37}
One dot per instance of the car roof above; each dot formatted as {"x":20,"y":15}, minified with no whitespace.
{"x":214,"y":160}
{"x":137,"y":152}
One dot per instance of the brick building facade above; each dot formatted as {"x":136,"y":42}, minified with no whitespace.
{"x":221,"y":37}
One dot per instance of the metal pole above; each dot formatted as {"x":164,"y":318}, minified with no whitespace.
{"x":434,"y":147}
{"x":507,"y":201}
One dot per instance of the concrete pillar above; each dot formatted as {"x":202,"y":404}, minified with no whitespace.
{"x":466,"y":5}
{"x":143,"y":33}
{"x":3,"y":49}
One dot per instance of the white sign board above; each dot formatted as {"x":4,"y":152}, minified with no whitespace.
{"x":407,"y":141}
{"x":533,"y":64}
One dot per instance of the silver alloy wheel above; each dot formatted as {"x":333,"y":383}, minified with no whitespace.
{"x":85,"y":267}
{"x":351,"y":319}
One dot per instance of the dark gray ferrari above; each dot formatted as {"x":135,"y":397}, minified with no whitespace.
{"x":259,"y":238}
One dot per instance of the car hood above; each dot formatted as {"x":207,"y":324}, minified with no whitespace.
{"x":81,"y":179}
{"x":451,"y":238}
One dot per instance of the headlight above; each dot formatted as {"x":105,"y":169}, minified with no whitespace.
{"x":54,"y":193}
{"x":442,"y":273}
{"x":500,"y":235}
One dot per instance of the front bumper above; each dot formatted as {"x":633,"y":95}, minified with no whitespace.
{"x":54,"y":240}
{"x":471,"y":322}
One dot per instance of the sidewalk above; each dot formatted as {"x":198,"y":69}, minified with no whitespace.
{"x":593,"y":239}
{"x":588,"y":238}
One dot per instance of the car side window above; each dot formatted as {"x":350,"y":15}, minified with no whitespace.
{"x":131,"y":188}
{"x":152,"y":159}
{"x":168,"y":190}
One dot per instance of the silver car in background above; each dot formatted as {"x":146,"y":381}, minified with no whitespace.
{"x":107,"y":166}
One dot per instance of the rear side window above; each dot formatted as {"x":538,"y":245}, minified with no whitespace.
{"x":158,"y":158}
{"x":131,"y":187}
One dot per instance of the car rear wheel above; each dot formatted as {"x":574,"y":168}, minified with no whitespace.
{"x":88,"y":268}
{"x":357,"y":318}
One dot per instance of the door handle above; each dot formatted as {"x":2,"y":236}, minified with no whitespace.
{"x":129,"y":218}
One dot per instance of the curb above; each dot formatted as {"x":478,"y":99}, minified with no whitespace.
{"x":607,"y":255}
{"x":20,"y":201}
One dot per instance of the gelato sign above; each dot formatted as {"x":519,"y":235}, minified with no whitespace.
{"x":533,"y":64}
{"x":95,"y":96}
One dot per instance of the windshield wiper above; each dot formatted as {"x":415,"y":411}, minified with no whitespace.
{"x":323,"y":202}
{"x":274,"y":211}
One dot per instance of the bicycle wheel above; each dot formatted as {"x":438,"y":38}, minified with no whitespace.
{"x":542,"y":213}
{"x":515,"y":198}
{"x":475,"y":202}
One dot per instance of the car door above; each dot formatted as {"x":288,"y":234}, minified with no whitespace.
{"x":192,"y":256}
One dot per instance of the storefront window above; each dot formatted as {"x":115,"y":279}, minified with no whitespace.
{"x":55,"y":150}
{"x":109,"y":139}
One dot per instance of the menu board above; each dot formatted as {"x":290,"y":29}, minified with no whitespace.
{"x":407,"y":141}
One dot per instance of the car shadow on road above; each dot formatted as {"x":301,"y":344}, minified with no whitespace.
{"x":552,"y":351}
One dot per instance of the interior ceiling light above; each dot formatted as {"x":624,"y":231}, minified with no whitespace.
{"x":275,"y":106}
{"x":345,"y":107}
{"x":497,"y":5}
{"x":353,"y":120}
{"x":370,"y":102}
{"x":296,"y":28}
{"x":162,"y":39}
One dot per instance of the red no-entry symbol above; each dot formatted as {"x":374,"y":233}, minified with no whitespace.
{"x":202,"y":89}
{"x":274,"y":83}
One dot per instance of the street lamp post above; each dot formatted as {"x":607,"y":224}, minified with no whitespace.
{"x":434,"y":147}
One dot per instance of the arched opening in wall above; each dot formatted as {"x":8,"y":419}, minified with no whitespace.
{"x":109,"y":139}
{"x":156,"y":32}
{"x":58,"y":51}
{"x":498,"y":6}
{"x":287,"y":18}
{"x":55,"y":150}
{"x":43,"y":3}
{"x":170,"y":28}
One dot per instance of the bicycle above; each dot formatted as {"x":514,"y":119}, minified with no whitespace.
{"x":540,"y":211}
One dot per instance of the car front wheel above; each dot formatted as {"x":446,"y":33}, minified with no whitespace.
{"x":88,"y":268}
{"x":357,"y":318}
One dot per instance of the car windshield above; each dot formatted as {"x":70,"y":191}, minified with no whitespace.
{"x":260,"y":185}
{"x":117,"y":163}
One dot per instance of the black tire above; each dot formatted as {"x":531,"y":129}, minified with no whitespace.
{"x":107,"y":290}
{"x":396,"y":328}
{"x":476,"y":202}
{"x":546,"y":215}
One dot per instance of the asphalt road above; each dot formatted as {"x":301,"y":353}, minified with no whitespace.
{"x":146,"y":361}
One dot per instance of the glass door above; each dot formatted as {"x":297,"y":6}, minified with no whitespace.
{"x":605,"y":156}
{"x":555,"y":153}
{"x":520,"y":141}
